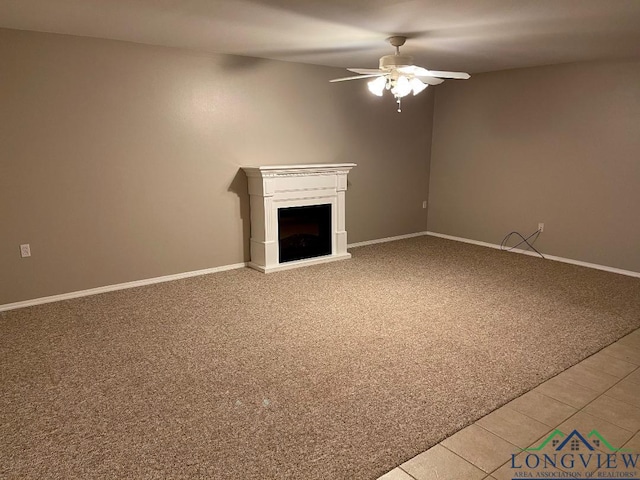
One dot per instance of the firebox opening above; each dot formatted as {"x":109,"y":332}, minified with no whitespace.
{"x":304,"y":232}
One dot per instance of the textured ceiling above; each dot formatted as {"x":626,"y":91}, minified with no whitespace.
{"x":468,"y":35}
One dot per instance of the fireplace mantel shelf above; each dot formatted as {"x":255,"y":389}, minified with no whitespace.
{"x":298,"y":170}
{"x":272,"y":187}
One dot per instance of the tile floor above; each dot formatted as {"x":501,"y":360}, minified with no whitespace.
{"x":602,"y":392}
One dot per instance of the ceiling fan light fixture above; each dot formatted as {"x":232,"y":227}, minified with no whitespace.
{"x":402,"y":87}
{"x":377,"y":85}
{"x":417,"y":85}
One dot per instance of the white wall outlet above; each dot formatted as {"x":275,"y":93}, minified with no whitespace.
{"x":424,"y":204}
{"x":25,"y":250}
{"x":541,"y":227}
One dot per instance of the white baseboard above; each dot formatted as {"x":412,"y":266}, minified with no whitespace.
{"x":620,"y":271}
{"x":119,"y":286}
{"x":166,"y":278}
{"x":206,"y":271}
{"x":386,"y":239}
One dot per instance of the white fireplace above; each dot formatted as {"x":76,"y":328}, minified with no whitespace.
{"x":297,"y":215}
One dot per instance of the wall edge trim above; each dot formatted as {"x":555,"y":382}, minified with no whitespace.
{"x":223,"y":268}
{"x":620,"y":271}
{"x":117,"y":286}
{"x":386,"y":239}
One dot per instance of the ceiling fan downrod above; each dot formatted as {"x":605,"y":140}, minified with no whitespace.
{"x":397,"y":60}
{"x":397,"y":41}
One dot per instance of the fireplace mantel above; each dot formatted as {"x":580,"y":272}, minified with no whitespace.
{"x":272,"y":187}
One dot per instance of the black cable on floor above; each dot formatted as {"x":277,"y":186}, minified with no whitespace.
{"x":503,"y":245}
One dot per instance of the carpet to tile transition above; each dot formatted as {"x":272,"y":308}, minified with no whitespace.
{"x":340,"y":371}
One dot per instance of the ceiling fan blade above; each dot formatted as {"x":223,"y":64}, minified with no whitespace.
{"x":357,"y":77}
{"x":429,"y":80}
{"x":441,"y":74}
{"x":366,"y":71}
{"x":423,"y":72}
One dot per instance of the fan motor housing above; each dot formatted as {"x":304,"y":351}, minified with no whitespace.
{"x":389,"y":62}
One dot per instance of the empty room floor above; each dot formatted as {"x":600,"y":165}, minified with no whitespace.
{"x":342,"y":370}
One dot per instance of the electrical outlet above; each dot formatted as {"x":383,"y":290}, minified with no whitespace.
{"x":25,"y":250}
{"x":541,"y":227}
{"x":424,"y":204}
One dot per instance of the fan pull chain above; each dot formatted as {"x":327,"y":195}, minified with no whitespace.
{"x":399,"y":100}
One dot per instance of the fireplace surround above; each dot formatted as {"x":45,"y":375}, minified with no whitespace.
{"x":297,"y":215}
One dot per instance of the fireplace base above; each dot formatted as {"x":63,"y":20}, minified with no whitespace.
{"x":298,"y":263}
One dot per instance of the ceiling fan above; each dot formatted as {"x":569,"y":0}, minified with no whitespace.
{"x":398,"y":74}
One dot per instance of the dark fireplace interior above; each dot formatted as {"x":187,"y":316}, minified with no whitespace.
{"x":304,"y":232}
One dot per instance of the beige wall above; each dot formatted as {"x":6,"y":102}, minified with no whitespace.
{"x":121,"y":162}
{"x":557,"y":144}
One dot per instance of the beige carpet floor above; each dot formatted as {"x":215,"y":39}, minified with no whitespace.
{"x":338,"y":371}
